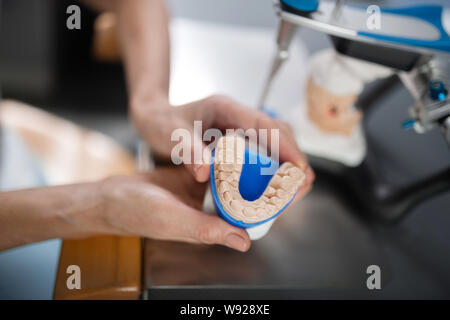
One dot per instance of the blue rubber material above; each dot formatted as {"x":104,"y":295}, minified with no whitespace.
{"x":271,"y":113}
{"x":302,"y":5}
{"x":432,"y":14}
{"x":252,"y":185}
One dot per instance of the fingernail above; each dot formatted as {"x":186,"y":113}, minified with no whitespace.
{"x":235,"y":241}
{"x":196,"y":167}
{"x":201,"y":173}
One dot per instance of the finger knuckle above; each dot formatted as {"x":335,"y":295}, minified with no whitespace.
{"x":207,"y":234}
{"x":218,"y":100}
{"x":284,"y":125}
{"x":264,"y":121}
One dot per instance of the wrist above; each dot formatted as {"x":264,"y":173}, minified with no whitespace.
{"x":146,"y":109}
{"x":145,"y":95}
{"x":84,"y":216}
{"x":39,"y":214}
{"x":145,"y":104}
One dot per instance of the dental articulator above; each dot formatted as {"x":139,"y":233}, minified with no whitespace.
{"x":410,"y":45}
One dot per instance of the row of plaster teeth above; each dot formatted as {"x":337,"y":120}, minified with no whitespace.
{"x":227,"y":170}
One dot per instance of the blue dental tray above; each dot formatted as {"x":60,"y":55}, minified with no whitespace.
{"x":252,"y":185}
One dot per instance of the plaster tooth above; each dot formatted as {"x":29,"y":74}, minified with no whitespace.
{"x":223,"y":175}
{"x":227,"y":196}
{"x":236,"y":195}
{"x":275,"y":182}
{"x":286,"y":182}
{"x":285,"y":167}
{"x":257,"y":203}
{"x":275,"y":201}
{"x":223,"y":186}
{"x":249,"y":212}
{"x":282,"y":194}
{"x":296,"y":173}
{"x":270,"y":208}
{"x":261,"y":212}
{"x":270,"y":191}
{"x":299,"y":183}
{"x":233,"y":177}
{"x":227,"y":167}
{"x":236,"y":205}
{"x":292,"y":188}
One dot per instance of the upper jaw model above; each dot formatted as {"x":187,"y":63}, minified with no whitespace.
{"x":243,"y":196}
{"x":328,"y":123}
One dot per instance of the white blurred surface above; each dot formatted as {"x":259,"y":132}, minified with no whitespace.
{"x":210,"y":58}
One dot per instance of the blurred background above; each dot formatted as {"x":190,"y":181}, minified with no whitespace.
{"x":44,"y":64}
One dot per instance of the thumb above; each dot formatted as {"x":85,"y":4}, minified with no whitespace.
{"x":210,"y":229}
{"x":214,"y":230}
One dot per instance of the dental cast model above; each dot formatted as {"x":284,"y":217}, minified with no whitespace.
{"x":246,"y":196}
{"x":333,"y":87}
{"x":326,"y":122}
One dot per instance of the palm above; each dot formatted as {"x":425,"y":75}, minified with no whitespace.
{"x":181,"y":184}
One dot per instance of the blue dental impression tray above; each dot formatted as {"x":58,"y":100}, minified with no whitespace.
{"x":252,"y":185}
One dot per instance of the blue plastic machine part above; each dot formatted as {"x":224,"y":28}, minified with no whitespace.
{"x":271,"y":113}
{"x":431,"y":14}
{"x":437,"y":90}
{"x":302,"y":5}
{"x":408,"y":124}
{"x":252,"y":185}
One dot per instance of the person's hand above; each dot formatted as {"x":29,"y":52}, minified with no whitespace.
{"x":156,"y":119}
{"x":164,"y":204}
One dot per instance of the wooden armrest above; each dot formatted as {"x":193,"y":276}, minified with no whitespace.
{"x":110,"y":268}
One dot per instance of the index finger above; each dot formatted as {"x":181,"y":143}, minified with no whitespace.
{"x":230,"y":114}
